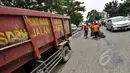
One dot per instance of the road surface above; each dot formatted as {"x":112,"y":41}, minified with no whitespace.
{"x":109,"y":55}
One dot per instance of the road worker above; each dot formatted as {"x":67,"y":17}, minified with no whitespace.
{"x":98,"y":23}
{"x":91,"y":27}
{"x":96,"y":30}
{"x":85,"y":31}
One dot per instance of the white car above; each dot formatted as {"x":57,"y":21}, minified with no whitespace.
{"x":118,"y":23}
{"x":74,"y":27}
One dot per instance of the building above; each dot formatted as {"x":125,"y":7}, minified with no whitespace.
{"x":105,"y":15}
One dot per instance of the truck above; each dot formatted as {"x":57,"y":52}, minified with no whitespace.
{"x":33,"y":41}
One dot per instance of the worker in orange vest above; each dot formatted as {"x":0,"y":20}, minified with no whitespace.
{"x":96,"y":30}
{"x":91,"y":27}
{"x":99,"y":23}
{"x":85,"y":31}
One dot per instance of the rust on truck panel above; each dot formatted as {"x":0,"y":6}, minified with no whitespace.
{"x":7,"y":56}
{"x":16,"y":64}
{"x":12,"y":30}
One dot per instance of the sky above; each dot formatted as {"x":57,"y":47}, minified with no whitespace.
{"x":94,"y":4}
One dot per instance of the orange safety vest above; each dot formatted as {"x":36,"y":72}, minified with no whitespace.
{"x":92,"y":26}
{"x":96,"y":28}
{"x":86,"y":28}
{"x":98,"y":23}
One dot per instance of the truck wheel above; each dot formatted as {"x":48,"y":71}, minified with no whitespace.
{"x":66,"y":54}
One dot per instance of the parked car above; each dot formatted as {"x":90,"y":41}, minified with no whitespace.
{"x":74,"y":27}
{"x":79,"y":28}
{"x":117,"y":23}
{"x":81,"y":25}
{"x":128,"y":17}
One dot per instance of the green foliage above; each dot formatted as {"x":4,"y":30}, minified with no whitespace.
{"x":67,"y":7}
{"x":117,"y":9}
{"x":124,"y":8}
{"x":93,"y":15}
{"x":76,"y":18}
{"x":112,"y":8}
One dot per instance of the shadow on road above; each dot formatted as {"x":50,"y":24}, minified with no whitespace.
{"x":58,"y":68}
{"x":119,"y":31}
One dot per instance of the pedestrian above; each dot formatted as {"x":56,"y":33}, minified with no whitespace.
{"x":85,"y":31}
{"x":96,"y":30}
{"x":91,"y":27}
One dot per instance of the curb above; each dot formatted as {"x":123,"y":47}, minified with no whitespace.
{"x":74,"y":35}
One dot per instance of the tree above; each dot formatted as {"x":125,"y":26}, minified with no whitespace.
{"x":76,"y":18}
{"x":124,"y":8}
{"x":67,"y":7}
{"x":93,"y":15}
{"x":112,"y":8}
{"x":115,"y":9}
{"x":41,"y":5}
{"x":73,"y":6}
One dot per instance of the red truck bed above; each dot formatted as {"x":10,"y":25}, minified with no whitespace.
{"x":25,"y":34}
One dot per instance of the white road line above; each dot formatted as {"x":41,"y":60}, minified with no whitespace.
{"x":103,"y":56}
{"x":73,"y":35}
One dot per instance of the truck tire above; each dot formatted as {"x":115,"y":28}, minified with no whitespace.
{"x":66,"y":54}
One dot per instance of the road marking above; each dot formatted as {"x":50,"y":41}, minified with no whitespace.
{"x":103,"y":56}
